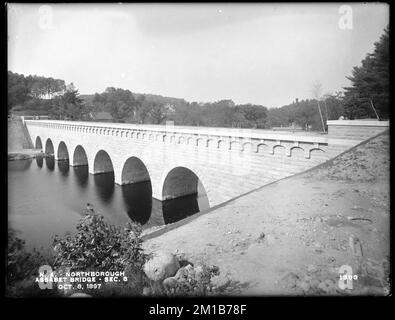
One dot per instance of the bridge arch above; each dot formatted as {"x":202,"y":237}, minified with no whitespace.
{"x":263,"y":149}
{"x":315,"y":151}
{"x":102,"y":163}
{"x":297,"y":152}
{"x":49,"y":149}
{"x":38,"y":144}
{"x":133,"y":171}
{"x":180,"y":181}
{"x":79,"y":156}
{"x":279,"y":149}
{"x":63,"y":153}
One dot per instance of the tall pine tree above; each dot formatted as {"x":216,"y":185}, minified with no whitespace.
{"x":370,"y":84}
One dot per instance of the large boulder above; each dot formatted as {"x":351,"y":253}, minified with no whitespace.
{"x":162,"y":265}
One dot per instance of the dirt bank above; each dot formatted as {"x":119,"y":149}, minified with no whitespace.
{"x":292,"y":237}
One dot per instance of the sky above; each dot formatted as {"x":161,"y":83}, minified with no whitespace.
{"x":267,"y":54}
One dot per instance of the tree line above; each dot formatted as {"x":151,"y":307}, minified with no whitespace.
{"x":37,"y":95}
{"x":366,"y":97}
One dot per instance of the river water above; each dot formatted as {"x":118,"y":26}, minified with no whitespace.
{"x":47,"y":198}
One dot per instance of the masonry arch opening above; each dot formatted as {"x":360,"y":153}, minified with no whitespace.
{"x":183,"y":195}
{"x":134,"y":170}
{"x":103,"y":171}
{"x":38,"y":144}
{"x":49,"y":149}
{"x":102,"y":163}
{"x":79,"y":157}
{"x":63,"y":153}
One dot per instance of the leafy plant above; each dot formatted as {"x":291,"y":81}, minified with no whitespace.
{"x":22,"y":268}
{"x":100,"y":246}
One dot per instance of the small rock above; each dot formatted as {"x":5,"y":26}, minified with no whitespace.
{"x":327,"y":286}
{"x":314,"y":284}
{"x":304,"y":286}
{"x":146,"y":291}
{"x":290,"y":280}
{"x":169,"y":282}
{"x":80,"y":295}
{"x":331,"y":259}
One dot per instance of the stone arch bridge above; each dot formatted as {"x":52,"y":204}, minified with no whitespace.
{"x":228,"y":162}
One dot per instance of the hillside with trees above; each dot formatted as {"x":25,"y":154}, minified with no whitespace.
{"x":37,"y":95}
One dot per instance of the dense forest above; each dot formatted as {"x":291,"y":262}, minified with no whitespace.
{"x":366,"y":97}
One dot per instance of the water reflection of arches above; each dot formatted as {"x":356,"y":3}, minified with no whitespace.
{"x":179,"y":208}
{"x":79,"y":157}
{"x":63,"y":153}
{"x":49,"y":149}
{"x":81,"y":174}
{"x":104,"y":184}
{"x":50,"y":163}
{"x":134,"y":170}
{"x":137,"y":198}
{"x":39,"y":162}
{"x":102,"y":163}
{"x":38,"y":144}
{"x":63,"y":167}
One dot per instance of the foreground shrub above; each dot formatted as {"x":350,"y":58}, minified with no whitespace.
{"x":99,"y":246}
{"x":22,"y":268}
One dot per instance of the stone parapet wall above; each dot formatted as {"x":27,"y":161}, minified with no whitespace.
{"x":356,"y":129}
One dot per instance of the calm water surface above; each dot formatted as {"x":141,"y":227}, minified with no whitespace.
{"x":46,"y":198}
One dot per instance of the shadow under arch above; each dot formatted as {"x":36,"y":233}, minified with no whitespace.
{"x":180,"y":181}
{"x":102,"y":163}
{"x":63,"y":153}
{"x":49,"y":149}
{"x":79,"y":156}
{"x":134,"y":170}
{"x":38,"y":144}
{"x":184,"y":195}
